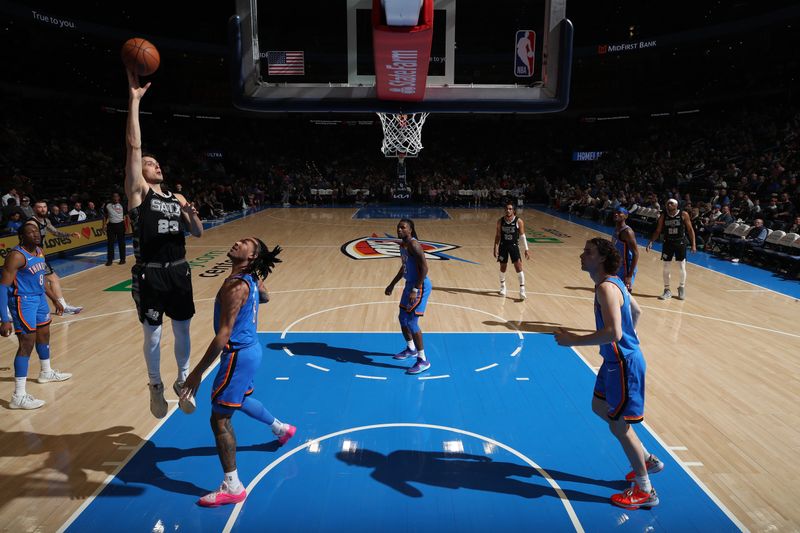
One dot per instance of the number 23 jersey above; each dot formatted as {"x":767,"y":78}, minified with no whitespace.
{"x":158,"y":229}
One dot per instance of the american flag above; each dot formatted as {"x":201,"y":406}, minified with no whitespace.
{"x":286,"y":63}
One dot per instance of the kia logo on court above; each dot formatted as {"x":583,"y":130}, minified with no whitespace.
{"x":375,"y":247}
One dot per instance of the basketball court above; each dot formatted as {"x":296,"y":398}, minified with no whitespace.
{"x":497,"y":433}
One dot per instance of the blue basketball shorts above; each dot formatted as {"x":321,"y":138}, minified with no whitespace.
{"x":29,"y":312}
{"x":418,"y":304}
{"x":234,"y":379}
{"x":621,"y":385}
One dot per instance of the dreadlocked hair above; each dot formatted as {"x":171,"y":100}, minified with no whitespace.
{"x":265,"y":261}
{"x":410,"y":225}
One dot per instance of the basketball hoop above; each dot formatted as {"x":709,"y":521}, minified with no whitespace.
{"x":402,"y":134}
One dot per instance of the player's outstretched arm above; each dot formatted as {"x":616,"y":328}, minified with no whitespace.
{"x":232,"y":296}
{"x":135,"y":184}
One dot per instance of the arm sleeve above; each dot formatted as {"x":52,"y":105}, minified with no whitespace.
{"x":4,"y":316}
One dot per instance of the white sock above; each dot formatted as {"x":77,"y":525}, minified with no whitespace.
{"x":646,"y":453}
{"x":502,"y":278}
{"x":666,"y":274}
{"x":63,"y":302}
{"x":644,"y":483}
{"x":682,"y":265}
{"x":19,"y":386}
{"x":421,"y":355}
{"x":233,"y":483}
{"x":521,"y":277}
{"x":410,"y":344}
{"x":183,"y":346}
{"x":152,"y":352}
{"x":45,"y":365}
{"x":277,"y":427}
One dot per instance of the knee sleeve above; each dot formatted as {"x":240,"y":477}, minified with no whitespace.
{"x":183,"y":346}
{"x":152,"y":351}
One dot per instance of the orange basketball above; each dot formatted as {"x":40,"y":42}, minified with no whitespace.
{"x":140,"y":56}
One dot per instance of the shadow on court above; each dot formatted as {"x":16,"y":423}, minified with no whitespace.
{"x":144,"y":469}
{"x":334,"y":353}
{"x":457,"y":290}
{"x":460,"y":470}
{"x":69,"y":455}
{"x":534,"y":326}
{"x":585,"y":289}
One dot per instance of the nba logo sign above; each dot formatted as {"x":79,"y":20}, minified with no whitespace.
{"x":525,"y":53}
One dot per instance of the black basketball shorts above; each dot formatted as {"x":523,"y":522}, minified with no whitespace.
{"x":159,"y":290}
{"x":506,"y":251}
{"x":673,"y":249}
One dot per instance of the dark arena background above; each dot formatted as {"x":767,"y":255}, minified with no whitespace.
{"x":262,"y":114}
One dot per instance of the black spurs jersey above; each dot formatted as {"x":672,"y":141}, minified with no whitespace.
{"x":674,"y":228}
{"x":158,"y":229}
{"x":509,"y":232}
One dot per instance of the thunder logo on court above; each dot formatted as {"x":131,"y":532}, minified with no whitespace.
{"x":375,"y":247}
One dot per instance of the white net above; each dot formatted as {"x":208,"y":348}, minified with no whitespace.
{"x":402,"y":134}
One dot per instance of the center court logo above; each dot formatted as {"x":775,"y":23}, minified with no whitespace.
{"x":389,"y":247}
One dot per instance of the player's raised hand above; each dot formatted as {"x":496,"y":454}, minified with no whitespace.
{"x":135,"y":88}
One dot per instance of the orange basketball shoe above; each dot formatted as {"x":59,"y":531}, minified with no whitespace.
{"x":654,"y":466}
{"x":634,"y":497}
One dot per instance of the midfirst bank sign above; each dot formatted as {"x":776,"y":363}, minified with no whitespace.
{"x":625,"y":47}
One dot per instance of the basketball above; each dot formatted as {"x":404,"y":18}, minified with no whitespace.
{"x":140,"y":56}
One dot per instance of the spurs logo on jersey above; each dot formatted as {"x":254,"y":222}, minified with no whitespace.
{"x":158,"y":229}
{"x":170,"y":209}
{"x":674,"y":227}
{"x":509,"y":230}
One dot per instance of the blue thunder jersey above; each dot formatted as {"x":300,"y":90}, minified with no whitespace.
{"x":624,"y":252}
{"x":243,"y":333}
{"x":628,"y":345}
{"x":30,"y":278}
{"x":410,"y":272}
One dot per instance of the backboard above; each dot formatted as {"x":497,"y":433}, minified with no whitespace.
{"x":503,"y":56}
